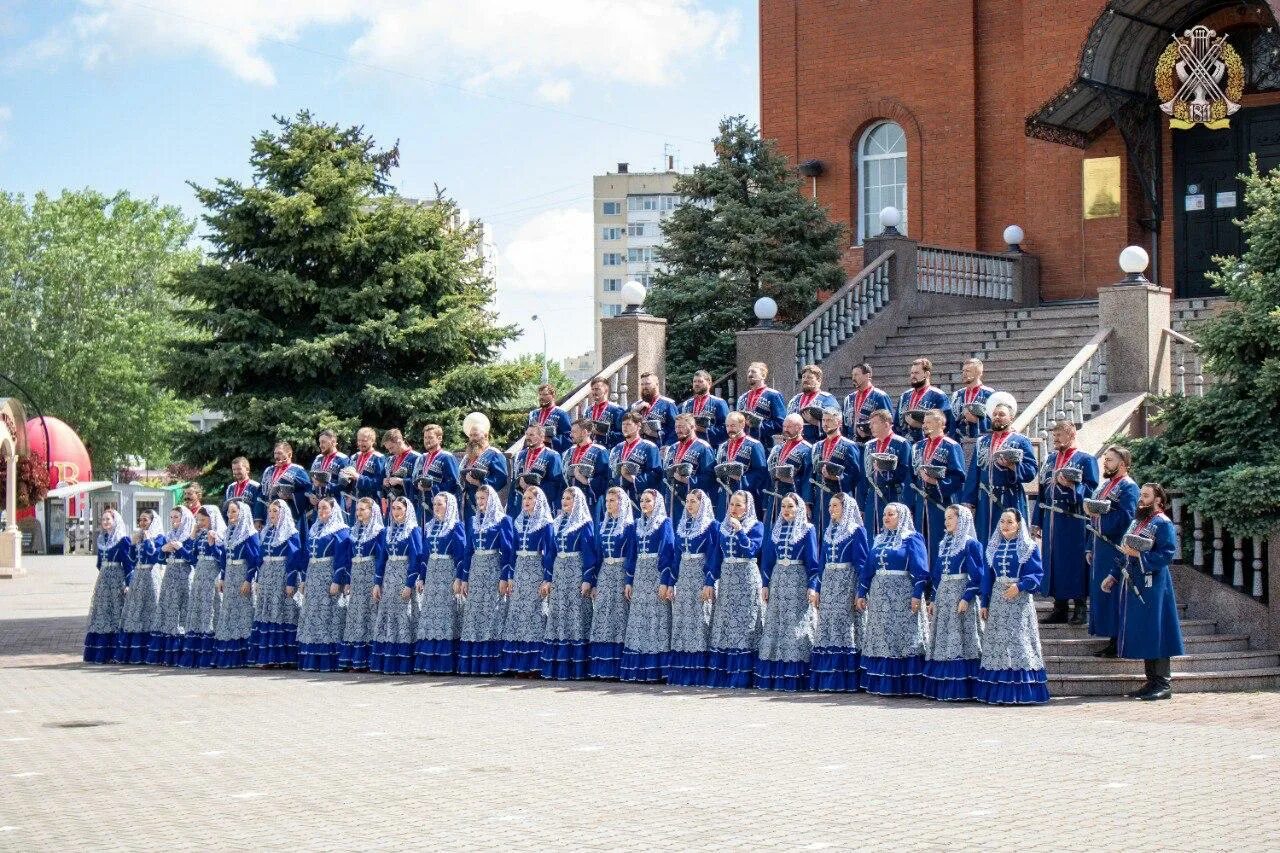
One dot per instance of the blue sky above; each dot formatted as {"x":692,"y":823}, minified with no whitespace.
{"x":509,"y":105}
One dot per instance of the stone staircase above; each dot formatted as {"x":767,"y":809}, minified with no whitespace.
{"x":1214,"y":661}
{"x":1023,"y":348}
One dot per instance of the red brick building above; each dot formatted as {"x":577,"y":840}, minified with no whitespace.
{"x":976,"y":114}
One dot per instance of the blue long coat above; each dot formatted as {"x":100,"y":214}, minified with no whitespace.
{"x":878,"y":489}
{"x":1149,"y":626}
{"x":990,"y":488}
{"x":771,"y":407}
{"x":857,"y":418}
{"x":1064,"y":528}
{"x":929,"y":502}
{"x":1108,"y":530}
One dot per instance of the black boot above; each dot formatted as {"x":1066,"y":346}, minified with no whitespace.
{"x":1161,"y":681}
{"x":1058,"y":616}
{"x":1149,"y":667}
{"x":1108,"y":651}
{"x":1081,"y":611}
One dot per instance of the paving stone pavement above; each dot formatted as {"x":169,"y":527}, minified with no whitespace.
{"x":134,"y":758}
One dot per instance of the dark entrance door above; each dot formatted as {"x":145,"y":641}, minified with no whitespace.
{"x":1207,"y":195}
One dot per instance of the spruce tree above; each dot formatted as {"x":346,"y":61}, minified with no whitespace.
{"x":745,"y":231}
{"x":330,"y":301}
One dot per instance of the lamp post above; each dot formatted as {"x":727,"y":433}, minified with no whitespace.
{"x":546,"y":374}
{"x":765,"y":309}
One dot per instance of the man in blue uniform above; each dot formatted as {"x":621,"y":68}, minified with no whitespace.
{"x":789,"y":462}
{"x":968,"y":410}
{"x":401,"y":460}
{"x":241,"y":488}
{"x":691,"y":451}
{"x":921,"y":397}
{"x":325,"y":469}
{"x":741,"y":449}
{"x":1066,"y":479}
{"x":362,"y":476}
{"x":586,"y":465}
{"x":811,"y":402}
{"x":708,"y":410}
{"x":635,"y":464}
{"x":435,"y":473}
{"x":288,"y":482}
{"x":858,"y":406}
{"x":1108,"y":529}
{"x":535,"y":465}
{"x":606,"y":417}
{"x":931,"y":494}
{"x":996,"y":481}
{"x":659,"y":412}
{"x":764,"y":407}
{"x":835,"y":464}
{"x":554,"y":420}
{"x":884,"y":482}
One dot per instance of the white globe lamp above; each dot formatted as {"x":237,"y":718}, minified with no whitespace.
{"x":1013,"y":236}
{"x":766,"y":309}
{"x":1134,"y":261}
{"x":890,"y":218}
{"x":633,"y":294}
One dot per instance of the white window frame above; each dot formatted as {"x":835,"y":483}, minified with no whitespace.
{"x":604,"y":208}
{"x":612,"y":285}
{"x":612,"y":259}
{"x":862,"y":160}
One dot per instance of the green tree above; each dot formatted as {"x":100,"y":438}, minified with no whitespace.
{"x":746,"y":231}
{"x":1222,"y":449}
{"x":330,"y":301}
{"x":86,"y":316}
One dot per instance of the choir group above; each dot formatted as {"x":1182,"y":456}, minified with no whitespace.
{"x":814,"y":544}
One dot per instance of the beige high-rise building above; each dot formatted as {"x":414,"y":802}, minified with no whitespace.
{"x":629,"y":209}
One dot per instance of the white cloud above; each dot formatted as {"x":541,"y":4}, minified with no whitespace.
{"x":453,"y":40}
{"x":546,"y":268}
{"x":555,"y":91}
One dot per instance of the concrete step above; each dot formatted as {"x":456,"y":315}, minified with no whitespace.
{"x":1047,"y":331}
{"x":1045,"y":605}
{"x":1058,"y":665}
{"x":966,"y":319}
{"x":929,"y":337}
{"x":1190,"y":628}
{"x":1186,"y":682}
{"x":1084,"y":646}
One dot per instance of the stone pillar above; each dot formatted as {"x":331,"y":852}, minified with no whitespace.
{"x":639,"y":333}
{"x":902,"y":269}
{"x":10,"y":537}
{"x":776,"y":347}
{"x":1026,"y":279}
{"x":1138,"y":312}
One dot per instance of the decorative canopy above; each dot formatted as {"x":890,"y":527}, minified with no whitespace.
{"x":1117,"y":65}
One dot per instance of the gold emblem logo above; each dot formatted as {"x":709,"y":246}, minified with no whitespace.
{"x":1199,"y":79}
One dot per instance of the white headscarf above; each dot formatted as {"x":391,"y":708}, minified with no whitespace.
{"x":626,"y":513}
{"x":155,"y":529}
{"x":337,"y":521}
{"x":363,"y":532}
{"x":646,"y":524}
{"x":185,"y":529}
{"x":850,"y":520}
{"x":577,"y":516}
{"x":795,"y":530}
{"x":280,"y":533}
{"x":541,"y":516}
{"x":107,"y":541}
{"x":748,"y":521}
{"x":397,"y":532}
{"x":954,"y":543}
{"x":1026,"y":545}
{"x":906,"y":527}
{"x":691,"y":526}
{"x":493,"y":513}
{"x":436,"y":528}
{"x":216,"y":525}
{"x":244,"y":525}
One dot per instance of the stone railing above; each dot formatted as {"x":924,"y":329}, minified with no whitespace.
{"x":839,"y":318}
{"x":1074,"y":394}
{"x":1238,"y":561}
{"x":954,"y":272}
{"x":575,"y":402}
{"x":726,"y":387}
{"x":1187,"y":363}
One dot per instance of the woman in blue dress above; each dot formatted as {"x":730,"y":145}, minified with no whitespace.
{"x":115,"y":563}
{"x":328,"y":569}
{"x":891,"y":593}
{"x":368,"y":558}
{"x":444,"y":547}
{"x":955,"y":641}
{"x":791,"y":572}
{"x":735,"y":592}
{"x":140,"y":591}
{"x":235,"y":587}
{"x":647,"y":648}
{"x":275,"y":610}
{"x":616,"y":544}
{"x":1012,"y":668}
{"x":567,"y":587}
{"x":834,"y":664}
{"x":200,"y":618}
{"x":395,"y":626}
{"x":521,"y":585}
{"x":490,"y":556}
{"x":179,"y":553}
{"x":698,"y":544}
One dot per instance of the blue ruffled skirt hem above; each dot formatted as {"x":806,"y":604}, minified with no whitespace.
{"x":687,"y":669}
{"x":606,"y":661}
{"x":734,"y":668}
{"x":318,"y":657}
{"x":950,"y":680}
{"x":197,"y":651}
{"x":479,"y":657}
{"x":100,"y":648}
{"x":787,"y":675}
{"x":564,"y":661}
{"x":273,"y":644}
{"x":834,"y":670}
{"x":521,"y":657}
{"x":391,"y":658}
{"x":438,"y":657}
{"x":1011,"y":686}
{"x":231,"y":654}
{"x":643,"y":667}
{"x":892,"y":676}
{"x":354,"y":656}
{"x":164,"y":649}
{"x":131,"y":646}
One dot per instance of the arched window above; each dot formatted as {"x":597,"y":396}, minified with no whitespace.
{"x":882,"y":176}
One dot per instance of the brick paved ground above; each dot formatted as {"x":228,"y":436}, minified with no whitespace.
{"x":98,"y":758}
